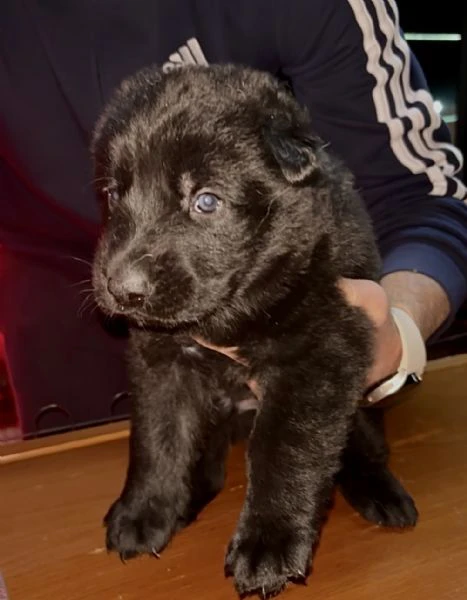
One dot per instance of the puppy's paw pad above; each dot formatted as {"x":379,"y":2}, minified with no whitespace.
{"x":139,"y":528}
{"x":263,"y":563}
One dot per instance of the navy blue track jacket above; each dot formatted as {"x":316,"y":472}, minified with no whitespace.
{"x":346,"y":60}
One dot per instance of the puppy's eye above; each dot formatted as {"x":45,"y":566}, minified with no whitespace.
{"x":112,"y":195}
{"x":206,"y":203}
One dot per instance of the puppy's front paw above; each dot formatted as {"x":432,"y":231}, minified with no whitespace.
{"x":262,"y":559}
{"x":143,"y":527}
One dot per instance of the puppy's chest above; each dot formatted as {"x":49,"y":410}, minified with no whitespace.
{"x":287,"y":333}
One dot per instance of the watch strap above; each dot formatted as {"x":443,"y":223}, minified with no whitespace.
{"x":413,"y":361}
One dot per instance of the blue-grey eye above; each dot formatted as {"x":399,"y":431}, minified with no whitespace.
{"x":206,"y":203}
{"x":112,"y":195}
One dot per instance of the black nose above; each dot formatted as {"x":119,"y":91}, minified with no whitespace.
{"x":130,"y":291}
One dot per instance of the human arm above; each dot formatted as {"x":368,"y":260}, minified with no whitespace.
{"x":418,"y":295}
{"x":367,"y":97}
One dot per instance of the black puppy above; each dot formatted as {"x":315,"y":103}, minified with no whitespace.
{"x":227,"y":220}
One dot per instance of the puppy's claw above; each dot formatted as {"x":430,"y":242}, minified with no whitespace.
{"x":299,"y":578}
{"x":155,"y":553}
{"x":122,"y":558}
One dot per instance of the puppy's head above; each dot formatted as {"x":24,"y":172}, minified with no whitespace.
{"x":201,"y":173}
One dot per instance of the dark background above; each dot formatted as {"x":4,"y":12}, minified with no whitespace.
{"x":445,"y":66}
{"x":444,"y":63}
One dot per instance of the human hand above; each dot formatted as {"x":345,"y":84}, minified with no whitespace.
{"x":373,"y":300}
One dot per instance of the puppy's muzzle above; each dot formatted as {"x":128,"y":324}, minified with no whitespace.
{"x":129,"y":289}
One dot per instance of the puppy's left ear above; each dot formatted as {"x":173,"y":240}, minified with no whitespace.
{"x":295,"y":152}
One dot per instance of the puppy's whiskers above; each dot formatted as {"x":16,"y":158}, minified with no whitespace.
{"x":82,"y":282}
{"x":86,"y":304}
{"x":80,"y":260}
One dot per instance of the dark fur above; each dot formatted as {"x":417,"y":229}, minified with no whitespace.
{"x":260,"y":274}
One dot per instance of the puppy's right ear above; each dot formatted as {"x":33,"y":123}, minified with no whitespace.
{"x":295,"y":152}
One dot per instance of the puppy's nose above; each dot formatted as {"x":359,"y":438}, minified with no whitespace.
{"x":130,"y":290}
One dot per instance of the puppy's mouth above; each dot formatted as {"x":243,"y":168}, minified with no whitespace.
{"x":112,"y":308}
{"x":144,"y":315}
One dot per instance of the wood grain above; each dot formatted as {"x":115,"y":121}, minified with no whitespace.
{"x":51,"y":541}
{"x":63,"y":442}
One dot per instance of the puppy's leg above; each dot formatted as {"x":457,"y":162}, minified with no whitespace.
{"x":228,"y":424}
{"x":365,"y":479}
{"x":173,"y":415}
{"x":208,"y":474}
{"x":294,"y":453}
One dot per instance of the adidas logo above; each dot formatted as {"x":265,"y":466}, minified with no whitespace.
{"x":188,"y":54}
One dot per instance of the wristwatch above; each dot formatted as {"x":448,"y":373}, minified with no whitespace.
{"x":413,"y":361}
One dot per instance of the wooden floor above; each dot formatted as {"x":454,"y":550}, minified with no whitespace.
{"x":51,"y":541}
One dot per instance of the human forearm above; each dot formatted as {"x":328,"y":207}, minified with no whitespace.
{"x":420,"y":296}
